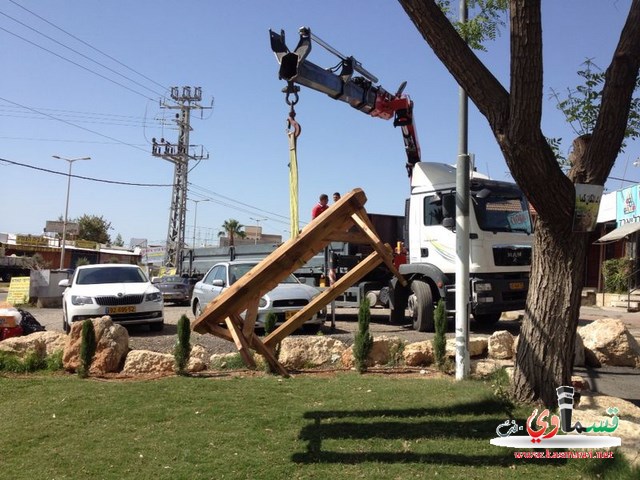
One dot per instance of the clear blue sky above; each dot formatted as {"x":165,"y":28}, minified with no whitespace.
{"x":223,"y":46}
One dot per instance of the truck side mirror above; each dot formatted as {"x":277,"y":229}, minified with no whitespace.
{"x":449,"y":223}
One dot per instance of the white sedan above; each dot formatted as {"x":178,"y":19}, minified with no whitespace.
{"x":287,"y":298}
{"x":121,"y":291}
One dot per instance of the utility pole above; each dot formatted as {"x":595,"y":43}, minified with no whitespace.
{"x":462,"y":231}
{"x":186,"y":99}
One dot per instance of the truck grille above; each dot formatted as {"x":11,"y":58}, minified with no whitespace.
{"x":112,"y":300}
{"x":511,"y":256}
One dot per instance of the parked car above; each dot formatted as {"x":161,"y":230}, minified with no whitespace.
{"x":175,"y":289}
{"x":121,"y":291}
{"x":286,"y":299}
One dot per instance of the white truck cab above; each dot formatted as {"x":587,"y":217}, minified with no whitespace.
{"x":499,"y":252}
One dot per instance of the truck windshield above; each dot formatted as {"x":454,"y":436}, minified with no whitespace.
{"x":500,"y":209}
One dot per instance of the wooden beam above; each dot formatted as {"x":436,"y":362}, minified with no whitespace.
{"x":362,"y":220}
{"x":250,"y":317}
{"x":267,"y":353}
{"x":241,"y":343}
{"x":327,"y":295}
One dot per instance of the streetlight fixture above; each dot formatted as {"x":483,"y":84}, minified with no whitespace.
{"x":195,"y":218}
{"x":66,"y":208}
{"x":258,"y":220}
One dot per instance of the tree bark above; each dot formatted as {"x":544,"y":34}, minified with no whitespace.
{"x":544,"y":359}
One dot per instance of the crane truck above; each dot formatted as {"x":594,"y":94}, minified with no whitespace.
{"x":500,"y":222}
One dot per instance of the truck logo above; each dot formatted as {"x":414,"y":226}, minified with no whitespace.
{"x":514,"y":255}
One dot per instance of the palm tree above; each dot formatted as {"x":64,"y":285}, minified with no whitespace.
{"x":232,"y":228}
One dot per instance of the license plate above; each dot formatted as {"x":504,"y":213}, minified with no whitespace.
{"x":127,"y":309}
{"x":516,"y":285}
{"x":289,"y":314}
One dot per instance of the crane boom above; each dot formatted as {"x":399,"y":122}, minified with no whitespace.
{"x":361,"y":92}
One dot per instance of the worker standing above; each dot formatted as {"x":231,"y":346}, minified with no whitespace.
{"x":321,"y":206}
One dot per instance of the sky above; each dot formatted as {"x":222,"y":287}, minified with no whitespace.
{"x":87,"y":78}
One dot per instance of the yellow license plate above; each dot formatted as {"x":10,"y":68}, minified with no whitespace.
{"x":289,"y":314}
{"x":516,"y":285}
{"x":127,"y":309}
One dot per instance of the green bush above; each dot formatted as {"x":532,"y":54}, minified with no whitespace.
{"x":53,"y":362}
{"x":11,"y":363}
{"x":615,"y":272}
{"x":182,"y":349}
{"x":439,"y":341}
{"x":87,"y":348}
{"x":270,"y":323}
{"x":363,"y":340}
{"x":232,"y":362}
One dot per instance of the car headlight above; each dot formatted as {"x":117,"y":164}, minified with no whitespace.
{"x":483,"y":287}
{"x":81,"y":300}
{"x":153,"y":297}
{"x":264,"y":301}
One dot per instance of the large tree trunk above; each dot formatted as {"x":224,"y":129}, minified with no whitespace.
{"x":545,"y":351}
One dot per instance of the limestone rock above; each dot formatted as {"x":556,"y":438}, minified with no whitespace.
{"x":197,"y":361}
{"x":579,"y":354}
{"x":608,"y":342}
{"x":112,"y":345}
{"x":500,"y":345}
{"x":146,"y":361}
{"x":383,"y":351}
{"x":22,"y":346}
{"x":418,"y":354}
{"x":487,"y":366}
{"x":310,"y":351}
{"x":477,"y":347}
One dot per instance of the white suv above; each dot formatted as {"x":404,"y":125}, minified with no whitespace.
{"x":121,"y":291}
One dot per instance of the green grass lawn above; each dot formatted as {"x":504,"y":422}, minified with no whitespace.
{"x":264,"y":427}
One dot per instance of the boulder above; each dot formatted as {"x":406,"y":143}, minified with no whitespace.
{"x":197,"y":361}
{"x":146,"y":362}
{"x":310,"y":351}
{"x":500,"y":345}
{"x":112,"y":345}
{"x":54,"y":341}
{"x":578,"y":354}
{"x":418,"y":354}
{"x":477,"y":347}
{"x":608,"y":342}
{"x":384,"y":350}
{"x":23,"y":346}
{"x":487,"y":366}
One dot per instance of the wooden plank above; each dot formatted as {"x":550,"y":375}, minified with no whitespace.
{"x":267,"y":353}
{"x":268,"y":273}
{"x":329,"y":294}
{"x":250,"y":317}
{"x":241,"y":343}
{"x":218,"y":331}
{"x":363,"y":221}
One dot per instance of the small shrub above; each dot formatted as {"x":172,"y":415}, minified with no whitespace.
{"x":182,"y":349}
{"x":11,"y":363}
{"x":232,"y":362}
{"x":615,"y":272}
{"x":363,"y":340}
{"x":395,"y":354}
{"x":87,"y":348}
{"x":270,"y":326}
{"x":439,"y":341}
{"x":53,"y":362}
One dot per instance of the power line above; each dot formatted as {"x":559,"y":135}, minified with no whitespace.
{"x":77,"y":126}
{"x":34,"y":139}
{"x":81,"y":177}
{"x":80,"y":53}
{"x":75,"y":63}
{"x":88,"y":45}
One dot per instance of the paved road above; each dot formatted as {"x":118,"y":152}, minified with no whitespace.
{"x":622,"y":382}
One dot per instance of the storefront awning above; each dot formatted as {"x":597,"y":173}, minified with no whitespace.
{"x":620,"y":232}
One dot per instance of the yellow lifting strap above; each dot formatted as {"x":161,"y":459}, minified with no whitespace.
{"x":293,"y":132}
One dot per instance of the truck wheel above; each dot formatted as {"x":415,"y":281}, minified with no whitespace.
{"x":487,"y":319}
{"x":421,"y":306}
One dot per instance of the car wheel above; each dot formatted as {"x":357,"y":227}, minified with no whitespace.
{"x":421,"y":306}
{"x":156,"y":327}
{"x":197,"y":309}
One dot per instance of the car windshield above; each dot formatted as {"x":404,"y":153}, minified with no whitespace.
{"x":502,"y":210}
{"x":238,"y":270}
{"x":172,"y":279}
{"x":91,"y":276}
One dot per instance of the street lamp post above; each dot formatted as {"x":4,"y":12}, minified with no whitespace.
{"x":66,"y":208}
{"x":195,"y":218}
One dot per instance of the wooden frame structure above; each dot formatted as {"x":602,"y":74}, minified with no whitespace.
{"x":335,"y":224}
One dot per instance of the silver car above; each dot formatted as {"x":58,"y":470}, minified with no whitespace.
{"x":285,"y":300}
